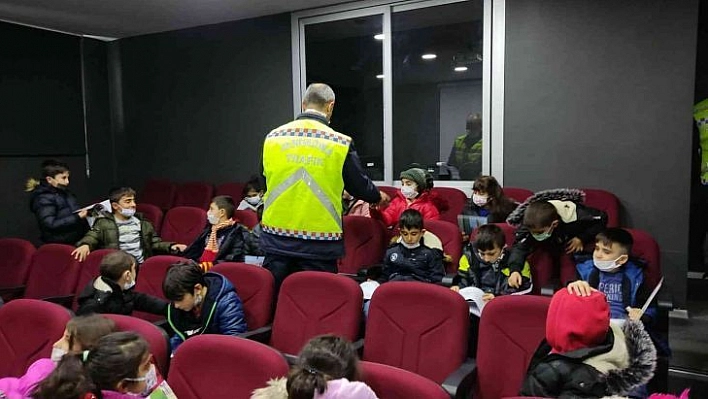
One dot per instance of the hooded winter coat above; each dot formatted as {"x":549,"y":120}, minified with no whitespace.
{"x":231,"y":242}
{"x":103,"y":295}
{"x":54,"y":209}
{"x":424,"y":203}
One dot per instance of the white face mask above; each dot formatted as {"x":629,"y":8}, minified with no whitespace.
{"x":57,"y":354}
{"x":253,"y":200}
{"x":150,"y":382}
{"x":606,"y":265}
{"x":127,"y":212}
{"x":213,"y":219}
{"x":128,"y":285}
{"x":409,"y":192}
{"x":480,"y":200}
{"x":410,"y":246}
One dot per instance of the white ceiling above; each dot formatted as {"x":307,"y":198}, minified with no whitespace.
{"x":123,"y":18}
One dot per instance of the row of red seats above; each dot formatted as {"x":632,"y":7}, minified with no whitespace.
{"x":165,"y":194}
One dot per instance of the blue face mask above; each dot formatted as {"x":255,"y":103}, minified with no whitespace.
{"x":543,"y":236}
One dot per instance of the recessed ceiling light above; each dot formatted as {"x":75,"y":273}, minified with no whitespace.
{"x":460,"y":69}
{"x":429,"y":56}
{"x":379,"y":76}
{"x":380,"y":36}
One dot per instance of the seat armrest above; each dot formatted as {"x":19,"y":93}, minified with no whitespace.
{"x":10,"y":293}
{"x":548,"y":290}
{"x":448,"y":280}
{"x":261,"y":335}
{"x":65,"y":300}
{"x":459,"y":384}
{"x":664,"y":300}
{"x":291,"y":359}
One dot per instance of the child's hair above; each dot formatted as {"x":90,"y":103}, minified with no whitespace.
{"x":226,"y":203}
{"x":181,"y":279}
{"x":117,"y":356}
{"x":540,"y":215}
{"x":116,"y":193}
{"x":490,"y":237}
{"x":87,"y":330}
{"x":616,"y":235}
{"x":50,"y":168}
{"x":410,"y":219}
{"x":254,"y":184}
{"x":490,"y":185}
{"x":324,"y":358}
{"x":115,"y":264}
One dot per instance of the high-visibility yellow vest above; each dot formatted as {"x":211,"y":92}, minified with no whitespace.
{"x":302,"y":164}
{"x":700,"y":114}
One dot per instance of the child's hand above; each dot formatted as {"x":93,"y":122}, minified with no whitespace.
{"x":514,"y":280}
{"x":81,"y":253}
{"x":580,"y":288}
{"x":178,"y":247}
{"x":83,"y":214}
{"x":634,"y":313}
{"x":455,"y":288}
{"x":487,"y":296}
{"x":574,"y":245}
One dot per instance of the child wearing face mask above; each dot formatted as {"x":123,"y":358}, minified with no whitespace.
{"x":119,"y":367}
{"x":415,"y":193}
{"x":223,"y":240}
{"x":558,"y":221}
{"x":125,"y":230}
{"x":252,"y":195}
{"x":81,"y":333}
{"x":113,"y":291}
{"x":488,"y":200}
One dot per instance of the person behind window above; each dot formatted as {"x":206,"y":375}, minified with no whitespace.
{"x":466,"y":152}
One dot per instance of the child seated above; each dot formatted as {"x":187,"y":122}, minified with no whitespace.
{"x":113,"y":291}
{"x":489,"y":201}
{"x":252,"y":195}
{"x":415,"y":193}
{"x":125,"y":230}
{"x":354,"y":207}
{"x":559,"y":218}
{"x":327,"y":368}
{"x":584,"y":356}
{"x":223,"y":240}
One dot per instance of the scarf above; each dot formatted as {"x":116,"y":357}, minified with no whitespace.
{"x":206,"y":261}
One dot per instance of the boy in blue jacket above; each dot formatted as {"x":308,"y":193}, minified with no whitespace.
{"x":202,"y":303}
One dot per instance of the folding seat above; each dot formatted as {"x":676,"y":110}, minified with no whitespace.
{"x":156,"y":338}
{"x":53,"y":274}
{"x":254,"y":285}
{"x":517,"y":194}
{"x":451,"y":239}
{"x":234,"y":190}
{"x":364,"y":243}
{"x":152,"y":214}
{"x":510,"y":330}
{"x":393,"y":383}
{"x":14,"y":265}
{"x":390,"y":190}
{"x":456,"y":201}
{"x":247,"y":218}
{"x":422,"y":328}
{"x":28,"y":329}
{"x":509,"y":233}
{"x":152,"y":273}
{"x":196,"y":194}
{"x":158,"y":192}
{"x":604,"y":201}
{"x":183,"y":224}
{"x":90,"y":269}
{"x":222,"y":366}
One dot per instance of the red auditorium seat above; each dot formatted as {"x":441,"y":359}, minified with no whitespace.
{"x":28,"y":329}
{"x":152,"y":214}
{"x":160,"y":193}
{"x":422,"y":328}
{"x":152,"y":273}
{"x":364,"y":243}
{"x":451,"y":239}
{"x":646,"y":248}
{"x":234,"y":190}
{"x":510,"y":330}
{"x":393,"y":383}
{"x":509,"y":233}
{"x":517,"y":194}
{"x":247,"y":218}
{"x":604,"y":201}
{"x":53,"y":274}
{"x":456,"y":201}
{"x":15,"y":262}
{"x":183,"y":224}
{"x":196,"y":194}
{"x":222,"y":366}
{"x":254,"y":286}
{"x":90,"y":269}
{"x":156,"y":337}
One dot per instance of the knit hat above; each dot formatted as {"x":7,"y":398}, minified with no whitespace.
{"x":576,"y":322}
{"x":417,"y":175}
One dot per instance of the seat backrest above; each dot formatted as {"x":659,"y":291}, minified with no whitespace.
{"x":509,"y":233}
{"x":315,"y":303}
{"x":183,"y":224}
{"x":254,"y":286}
{"x":152,"y":273}
{"x":15,"y":261}
{"x":428,"y":323}
{"x":517,"y":194}
{"x":451,"y":239}
{"x":234,"y":190}
{"x":28,"y":329}
{"x":645,"y":247}
{"x":196,"y":194}
{"x":90,"y":269}
{"x":53,"y":272}
{"x":223,"y":366}
{"x":363,"y":243}
{"x":390,"y":190}
{"x":247,"y":218}
{"x":158,"y":192}
{"x":156,"y":337}
{"x":604,"y":201}
{"x":510,"y":330}
{"x":393,"y":383}
{"x":456,"y":201}
{"x":152,"y":214}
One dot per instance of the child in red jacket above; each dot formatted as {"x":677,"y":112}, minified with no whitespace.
{"x":415,"y":194}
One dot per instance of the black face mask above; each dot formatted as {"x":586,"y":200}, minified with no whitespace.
{"x":62,"y":186}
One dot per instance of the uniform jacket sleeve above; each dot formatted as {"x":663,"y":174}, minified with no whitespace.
{"x":356,"y":182}
{"x":230,"y":316}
